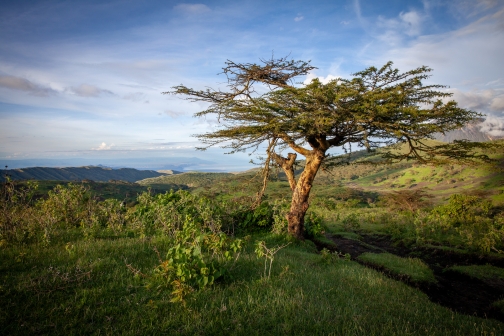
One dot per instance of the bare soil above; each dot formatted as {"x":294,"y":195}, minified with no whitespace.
{"x":456,"y":291}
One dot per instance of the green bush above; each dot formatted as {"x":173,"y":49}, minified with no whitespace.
{"x":17,"y":215}
{"x":314,"y":226}
{"x":260,"y":218}
{"x":465,"y":219}
{"x":197,"y":258}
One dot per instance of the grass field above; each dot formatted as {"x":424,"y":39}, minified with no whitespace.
{"x":86,"y":287}
{"x":71,"y":264}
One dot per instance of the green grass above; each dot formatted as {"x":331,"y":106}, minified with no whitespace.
{"x":87,"y":288}
{"x":413,"y":268}
{"x":483,"y":272}
{"x":348,"y":235}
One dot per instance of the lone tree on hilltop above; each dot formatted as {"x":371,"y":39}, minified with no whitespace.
{"x":263,"y":106}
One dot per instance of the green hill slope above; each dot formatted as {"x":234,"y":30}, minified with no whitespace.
{"x":98,"y":174}
{"x":440,"y":181}
{"x":191,"y":179}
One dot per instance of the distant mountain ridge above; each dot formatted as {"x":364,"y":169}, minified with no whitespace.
{"x":93,"y":173}
{"x":472,"y":132}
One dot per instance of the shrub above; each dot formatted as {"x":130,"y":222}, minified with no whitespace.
{"x":465,"y":218}
{"x":313,"y":225}
{"x":260,"y":218}
{"x":166,"y":213}
{"x":198,"y":257}
{"x":411,"y":200}
{"x":17,"y":216}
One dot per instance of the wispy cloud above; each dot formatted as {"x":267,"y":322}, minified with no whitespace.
{"x":467,"y":58}
{"x":174,"y":114}
{"x":135,"y":96}
{"x":395,"y":29}
{"x":22,"y":84}
{"x":192,"y":8}
{"x":298,"y":18}
{"x":86,"y":90}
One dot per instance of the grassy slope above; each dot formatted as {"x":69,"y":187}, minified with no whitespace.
{"x":415,"y":269}
{"x":191,"y":179}
{"x":480,"y":271}
{"x":87,"y":288}
{"x":79,"y":173}
{"x":441,"y":181}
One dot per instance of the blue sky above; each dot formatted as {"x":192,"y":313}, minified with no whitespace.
{"x":83,"y":79}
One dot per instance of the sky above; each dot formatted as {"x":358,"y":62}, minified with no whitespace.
{"x":84,"y":79}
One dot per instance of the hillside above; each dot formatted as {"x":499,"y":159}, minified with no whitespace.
{"x":440,"y":181}
{"x":191,"y":179}
{"x":98,"y":174}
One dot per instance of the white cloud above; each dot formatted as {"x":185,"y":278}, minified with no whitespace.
{"x":412,"y":22}
{"x":467,"y":58}
{"x":480,"y":100}
{"x":498,"y":103}
{"x":192,"y":8}
{"x":86,"y":90}
{"x":407,"y":23}
{"x":493,"y":126}
{"x":103,"y":146}
{"x":134,"y":96}
{"x":173,"y":114}
{"x":322,"y":79}
{"x":22,"y":84}
{"x":298,"y":18}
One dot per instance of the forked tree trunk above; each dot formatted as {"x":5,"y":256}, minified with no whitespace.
{"x":287,"y":166}
{"x":299,"y":204}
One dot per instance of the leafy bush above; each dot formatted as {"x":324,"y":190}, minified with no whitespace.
{"x":411,"y":200}
{"x":464,"y":218}
{"x":351,"y":222}
{"x":198,"y":257}
{"x":280,"y":210}
{"x":313,"y":224}
{"x":260,"y":218}
{"x":166,"y":213}
{"x":17,"y":216}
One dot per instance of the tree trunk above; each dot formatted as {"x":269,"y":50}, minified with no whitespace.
{"x":299,"y":204}
{"x":288,"y":167}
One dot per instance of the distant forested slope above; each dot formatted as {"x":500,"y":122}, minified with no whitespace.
{"x":98,"y":174}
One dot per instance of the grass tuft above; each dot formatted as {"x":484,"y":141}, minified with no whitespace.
{"x":413,"y":268}
{"x":483,"y":272}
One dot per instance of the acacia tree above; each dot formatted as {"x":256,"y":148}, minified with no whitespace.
{"x":377,"y":108}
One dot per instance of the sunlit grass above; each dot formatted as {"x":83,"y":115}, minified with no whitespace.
{"x":87,"y":288}
{"x":413,"y":268}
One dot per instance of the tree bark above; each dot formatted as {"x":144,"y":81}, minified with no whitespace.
{"x":287,"y":166}
{"x":299,"y":204}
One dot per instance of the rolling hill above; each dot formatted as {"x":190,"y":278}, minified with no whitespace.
{"x":93,"y":173}
{"x":439,"y":181}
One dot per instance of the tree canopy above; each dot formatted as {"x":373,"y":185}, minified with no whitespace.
{"x":377,"y":108}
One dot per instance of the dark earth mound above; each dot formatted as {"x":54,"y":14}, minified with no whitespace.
{"x":456,"y":291}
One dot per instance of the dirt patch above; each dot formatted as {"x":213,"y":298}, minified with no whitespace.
{"x":456,"y":291}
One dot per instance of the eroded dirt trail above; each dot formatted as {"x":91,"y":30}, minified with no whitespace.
{"x":453,"y":290}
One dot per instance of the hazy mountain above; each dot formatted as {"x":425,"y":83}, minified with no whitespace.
{"x":150,"y":163}
{"x":473,"y":132}
{"x":93,"y":173}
